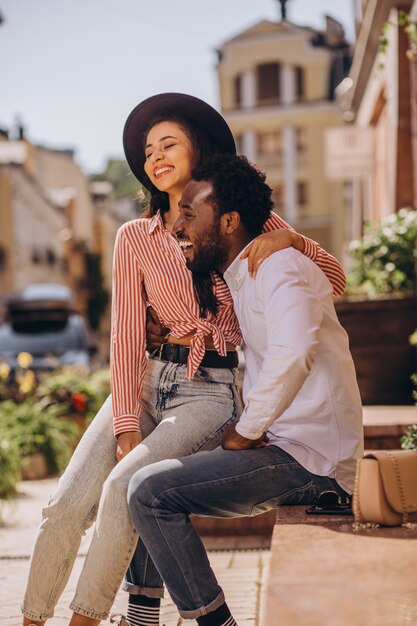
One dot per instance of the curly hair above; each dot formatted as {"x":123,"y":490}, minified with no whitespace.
{"x":237,"y":186}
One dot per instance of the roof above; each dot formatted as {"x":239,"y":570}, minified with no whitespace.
{"x":266,"y":27}
{"x":13,"y":152}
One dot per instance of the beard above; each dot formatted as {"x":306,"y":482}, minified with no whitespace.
{"x":210,"y":251}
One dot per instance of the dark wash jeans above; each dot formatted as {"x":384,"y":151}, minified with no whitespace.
{"x":220,"y":483}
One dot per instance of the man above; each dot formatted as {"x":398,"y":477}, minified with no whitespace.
{"x":301,"y":430}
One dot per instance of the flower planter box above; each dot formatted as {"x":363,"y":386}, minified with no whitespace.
{"x":379,"y":333}
{"x":79,"y":419}
{"x":35,"y":467}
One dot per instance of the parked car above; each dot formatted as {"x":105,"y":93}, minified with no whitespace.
{"x":41,"y":321}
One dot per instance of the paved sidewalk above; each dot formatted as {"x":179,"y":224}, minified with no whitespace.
{"x":239,"y":571}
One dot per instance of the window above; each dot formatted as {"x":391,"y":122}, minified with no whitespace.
{"x":301,"y":146}
{"x":278,"y":198}
{"x":36,"y":256}
{"x":3,"y":259}
{"x":269,"y":146}
{"x":238,"y":91}
{"x":299,"y":83}
{"x":302,"y":198}
{"x":268,"y":83}
{"x":50,"y":257}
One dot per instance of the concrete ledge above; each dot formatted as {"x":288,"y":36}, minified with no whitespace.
{"x":236,"y":533}
{"x":323,"y":573}
{"x":385,"y":425}
{"x":389,"y":415}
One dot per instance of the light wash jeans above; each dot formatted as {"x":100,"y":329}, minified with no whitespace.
{"x":178,"y":417}
{"x":221,"y":483}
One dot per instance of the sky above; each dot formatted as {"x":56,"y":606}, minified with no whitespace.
{"x":72,"y":70}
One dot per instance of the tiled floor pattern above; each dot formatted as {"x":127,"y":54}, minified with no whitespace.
{"x":239,"y":571}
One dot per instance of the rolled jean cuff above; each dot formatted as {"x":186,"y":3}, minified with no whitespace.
{"x":203,"y":610}
{"x":88,"y":612}
{"x":37,"y":617}
{"x":149,"y":592}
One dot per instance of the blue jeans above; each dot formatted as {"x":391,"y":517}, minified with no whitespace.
{"x":220,"y":483}
{"x":178,"y":417}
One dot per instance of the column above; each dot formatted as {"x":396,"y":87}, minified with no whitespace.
{"x":248,"y":89}
{"x":287,"y":84}
{"x":289,"y":170}
{"x":249,"y":145}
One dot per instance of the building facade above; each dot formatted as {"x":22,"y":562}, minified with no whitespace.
{"x":379,"y":99}
{"x":277,"y":81}
{"x":46,"y":220}
{"x":110,"y":214}
{"x":31,"y":249}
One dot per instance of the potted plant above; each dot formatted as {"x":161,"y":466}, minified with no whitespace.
{"x":76,"y":395}
{"x":36,"y":431}
{"x":379,"y":312}
{"x":42,"y":417}
{"x":409,"y":439}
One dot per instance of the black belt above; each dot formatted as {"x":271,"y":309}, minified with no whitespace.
{"x":175,"y":353}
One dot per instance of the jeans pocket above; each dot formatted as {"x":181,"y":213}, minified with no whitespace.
{"x":215,"y":438}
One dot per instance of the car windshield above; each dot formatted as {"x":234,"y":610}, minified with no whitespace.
{"x":42,"y":341}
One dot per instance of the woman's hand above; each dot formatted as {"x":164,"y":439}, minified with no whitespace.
{"x":156,"y":334}
{"x":126,"y":442}
{"x":268,"y":243}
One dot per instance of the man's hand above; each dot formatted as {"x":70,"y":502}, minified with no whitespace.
{"x":156,"y":334}
{"x":233,"y":441}
{"x":126,"y":442}
{"x":266,"y":244}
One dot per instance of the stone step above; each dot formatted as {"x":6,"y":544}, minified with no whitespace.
{"x":322,"y":572}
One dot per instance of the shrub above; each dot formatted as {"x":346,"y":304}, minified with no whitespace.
{"x":32,"y":428}
{"x":409,"y":439}
{"x":10,"y":464}
{"x":36,"y":414}
{"x":73,"y":391}
{"x":383,"y":260}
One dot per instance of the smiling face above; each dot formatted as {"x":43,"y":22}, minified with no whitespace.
{"x":169,"y":157}
{"x":199,"y":229}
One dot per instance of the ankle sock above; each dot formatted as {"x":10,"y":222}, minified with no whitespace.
{"x":143,"y":611}
{"x":219,"y":617}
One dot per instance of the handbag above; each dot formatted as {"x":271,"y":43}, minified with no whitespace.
{"x":385,"y":491}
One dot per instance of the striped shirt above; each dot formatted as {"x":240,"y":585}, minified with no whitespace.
{"x":149,"y":268}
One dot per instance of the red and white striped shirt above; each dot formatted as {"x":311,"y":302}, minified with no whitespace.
{"x":149,"y":268}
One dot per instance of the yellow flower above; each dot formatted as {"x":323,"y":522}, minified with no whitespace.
{"x":26,"y":381}
{"x":4,"y":371}
{"x":24,"y":359}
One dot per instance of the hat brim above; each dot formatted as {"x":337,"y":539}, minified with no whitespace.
{"x":197,"y":110}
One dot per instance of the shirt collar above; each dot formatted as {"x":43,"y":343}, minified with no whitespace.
{"x":155,"y":222}
{"x":237,"y":270}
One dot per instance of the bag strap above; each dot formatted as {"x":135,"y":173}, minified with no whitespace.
{"x":400,"y":486}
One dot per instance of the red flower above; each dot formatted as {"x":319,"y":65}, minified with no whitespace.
{"x":79,"y":402}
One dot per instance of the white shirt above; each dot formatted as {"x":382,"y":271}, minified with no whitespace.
{"x":300,"y":382}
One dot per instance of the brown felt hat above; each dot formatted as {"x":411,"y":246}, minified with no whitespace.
{"x":198,"y":111}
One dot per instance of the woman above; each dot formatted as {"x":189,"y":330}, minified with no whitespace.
{"x":186,"y":392}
